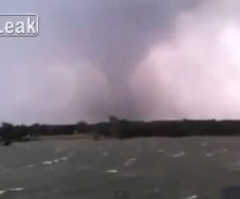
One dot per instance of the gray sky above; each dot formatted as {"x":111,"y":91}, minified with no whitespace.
{"x":139,"y":59}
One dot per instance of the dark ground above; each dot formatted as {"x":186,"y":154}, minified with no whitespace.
{"x":166,"y":168}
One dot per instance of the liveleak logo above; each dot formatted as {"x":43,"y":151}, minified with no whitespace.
{"x":19,"y":25}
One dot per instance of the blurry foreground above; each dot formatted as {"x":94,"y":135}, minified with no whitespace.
{"x":166,"y":168}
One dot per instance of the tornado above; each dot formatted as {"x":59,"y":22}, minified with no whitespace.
{"x":138,"y":59}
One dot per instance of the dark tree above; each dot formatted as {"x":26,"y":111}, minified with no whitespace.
{"x":83,"y":127}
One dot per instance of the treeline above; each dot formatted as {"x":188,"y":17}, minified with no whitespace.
{"x":121,"y":129}
{"x":178,"y":128}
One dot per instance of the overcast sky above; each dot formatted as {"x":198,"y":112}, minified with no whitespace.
{"x":139,"y":59}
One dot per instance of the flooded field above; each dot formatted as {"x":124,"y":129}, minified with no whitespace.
{"x":151,"y":168}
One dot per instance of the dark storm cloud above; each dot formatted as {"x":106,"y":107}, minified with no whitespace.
{"x":114,"y":35}
{"x":108,"y":32}
{"x":131,"y":58}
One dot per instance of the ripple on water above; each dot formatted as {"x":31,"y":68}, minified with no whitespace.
{"x":190,"y":197}
{"x":156,"y":190}
{"x":47,"y":162}
{"x":129,"y":162}
{"x":16,"y":189}
{"x":105,"y":154}
{"x":2,"y":192}
{"x":209,"y":154}
{"x":224,"y":150}
{"x":30,"y":166}
{"x":160,"y":150}
{"x":11,"y":190}
{"x":112,"y":171}
{"x":58,"y":150}
{"x":63,"y":158}
{"x":176,"y":155}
